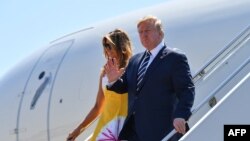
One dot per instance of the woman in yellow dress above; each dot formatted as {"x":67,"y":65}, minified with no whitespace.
{"x":111,"y":106}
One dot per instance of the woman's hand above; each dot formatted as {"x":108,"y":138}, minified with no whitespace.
{"x":72,"y":136}
{"x":112,"y":70}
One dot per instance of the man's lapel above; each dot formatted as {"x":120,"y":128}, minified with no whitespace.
{"x":162,"y":53}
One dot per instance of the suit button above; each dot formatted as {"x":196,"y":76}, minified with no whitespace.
{"x":133,"y":113}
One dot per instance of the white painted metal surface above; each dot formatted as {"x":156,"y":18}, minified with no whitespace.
{"x":200,"y":29}
{"x":232,"y":109}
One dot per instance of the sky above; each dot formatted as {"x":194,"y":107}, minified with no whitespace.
{"x":27,"y":25}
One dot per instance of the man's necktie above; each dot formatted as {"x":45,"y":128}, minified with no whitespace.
{"x":142,"y":69}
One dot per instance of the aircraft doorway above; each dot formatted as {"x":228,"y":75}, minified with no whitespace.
{"x":33,"y":117}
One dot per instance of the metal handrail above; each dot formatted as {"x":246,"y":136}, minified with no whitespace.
{"x":234,"y":43}
{"x":212,"y":94}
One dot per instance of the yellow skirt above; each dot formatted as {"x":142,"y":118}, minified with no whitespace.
{"x":112,"y":118}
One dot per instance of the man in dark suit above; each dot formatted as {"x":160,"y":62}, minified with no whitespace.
{"x":160,"y":88}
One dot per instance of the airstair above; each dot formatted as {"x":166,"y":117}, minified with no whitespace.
{"x":216,"y":83}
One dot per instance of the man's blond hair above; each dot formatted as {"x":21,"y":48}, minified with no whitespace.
{"x":154,"y":19}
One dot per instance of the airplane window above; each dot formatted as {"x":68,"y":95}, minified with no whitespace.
{"x":41,"y":75}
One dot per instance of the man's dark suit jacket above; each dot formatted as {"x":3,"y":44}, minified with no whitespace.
{"x":167,"y":92}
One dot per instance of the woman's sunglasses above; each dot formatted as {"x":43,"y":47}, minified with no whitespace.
{"x":107,"y":45}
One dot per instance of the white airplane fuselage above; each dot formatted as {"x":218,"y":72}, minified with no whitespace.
{"x":45,"y":96}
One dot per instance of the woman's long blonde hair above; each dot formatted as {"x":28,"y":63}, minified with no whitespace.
{"x":122,"y":45}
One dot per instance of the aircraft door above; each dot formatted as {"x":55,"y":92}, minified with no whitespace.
{"x":33,"y":117}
